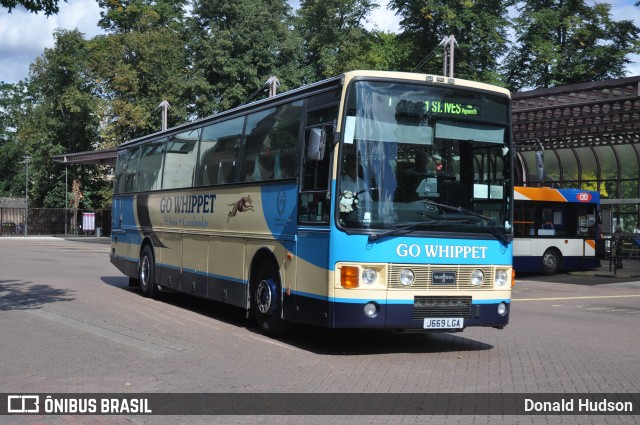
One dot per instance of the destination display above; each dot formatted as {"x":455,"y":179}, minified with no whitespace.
{"x":451,"y":108}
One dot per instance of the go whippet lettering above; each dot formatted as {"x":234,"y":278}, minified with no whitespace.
{"x":190,"y":204}
{"x":441,"y":251}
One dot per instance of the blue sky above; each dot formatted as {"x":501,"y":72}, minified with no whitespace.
{"x":24,"y":36}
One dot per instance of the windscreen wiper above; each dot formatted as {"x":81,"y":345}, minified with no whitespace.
{"x":501,"y":236}
{"x":375,"y":236}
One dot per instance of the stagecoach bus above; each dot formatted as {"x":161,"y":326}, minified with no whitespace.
{"x":378,"y":200}
{"x":555,"y":229}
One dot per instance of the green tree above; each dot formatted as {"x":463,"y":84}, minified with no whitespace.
{"x":11,"y":151}
{"x":561,"y":42}
{"x":381,"y":51}
{"x":335,"y":39}
{"x":479,"y":27}
{"x":237,"y":45}
{"x":139,"y":63}
{"x":590,"y":182}
{"x":59,"y":115}
{"x":49,"y":7}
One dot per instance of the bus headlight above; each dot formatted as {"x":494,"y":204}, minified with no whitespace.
{"x":501,"y":278}
{"x":369,"y":276}
{"x":502,"y":309}
{"x":407,"y":277}
{"x":477,"y":277}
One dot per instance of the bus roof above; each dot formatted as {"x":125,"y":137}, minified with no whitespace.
{"x":341,"y":80}
{"x":426,"y":78}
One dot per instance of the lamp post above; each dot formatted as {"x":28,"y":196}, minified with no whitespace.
{"x":26,"y":196}
{"x":66,"y":195}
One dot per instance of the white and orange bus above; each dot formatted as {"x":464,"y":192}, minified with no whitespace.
{"x":375,"y":200}
{"x":555,"y":229}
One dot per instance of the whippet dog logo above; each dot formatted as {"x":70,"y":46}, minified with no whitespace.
{"x":243,"y":204}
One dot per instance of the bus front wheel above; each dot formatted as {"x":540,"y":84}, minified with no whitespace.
{"x":266,"y":301}
{"x":551,"y":261}
{"x":146,"y":272}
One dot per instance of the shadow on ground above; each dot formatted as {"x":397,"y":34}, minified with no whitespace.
{"x":22,"y":295}
{"x":319,"y":340}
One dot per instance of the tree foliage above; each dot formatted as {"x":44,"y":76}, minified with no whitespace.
{"x":139,"y":63}
{"x":479,"y":27}
{"x":11,"y":152}
{"x":335,"y":39}
{"x":237,"y":45}
{"x":60,"y":114}
{"x":562,"y":42}
{"x":49,"y":7}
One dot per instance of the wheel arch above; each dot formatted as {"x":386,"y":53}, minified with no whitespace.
{"x":146,"y":242}
{"x":262,"y":256}
{"x":559,"y":255}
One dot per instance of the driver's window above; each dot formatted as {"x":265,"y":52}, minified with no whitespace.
{"x":314,"y":203}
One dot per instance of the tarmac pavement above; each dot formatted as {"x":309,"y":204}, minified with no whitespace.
{"x":524,"y":354}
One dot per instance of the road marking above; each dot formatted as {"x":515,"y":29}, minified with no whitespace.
{"x":594,"y":297}
{"x":276,"y":343}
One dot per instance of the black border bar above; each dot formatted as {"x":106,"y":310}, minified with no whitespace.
{"x":319,"y":404}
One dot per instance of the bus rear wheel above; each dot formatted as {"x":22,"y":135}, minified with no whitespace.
{"x":266,"y":301}
{"x":147,"y":272}
{"x":551,"y":261}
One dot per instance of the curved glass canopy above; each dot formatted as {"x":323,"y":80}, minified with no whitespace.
{"x":589,"y":135}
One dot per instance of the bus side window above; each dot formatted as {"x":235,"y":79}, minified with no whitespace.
{"x":271,"y":142}
{"x":130,"y":181}
{"x":150,"y":165}
{"x":219,"y":152}
{"x":121,"y":166}
{"x":524,"y":219}
{"x":180,"y":160}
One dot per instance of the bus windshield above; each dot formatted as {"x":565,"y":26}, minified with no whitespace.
{"x":424,"y":158}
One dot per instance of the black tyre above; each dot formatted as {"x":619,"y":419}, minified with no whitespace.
{"x":147,"y":272}
{"x":551,"y":261}
{"x":266,"y":301}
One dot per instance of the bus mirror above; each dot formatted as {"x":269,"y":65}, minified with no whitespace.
{"x":540,"y":166}
{"x":317,"y":144}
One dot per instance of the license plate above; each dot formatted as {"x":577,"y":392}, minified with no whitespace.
{"x":443,"y":323}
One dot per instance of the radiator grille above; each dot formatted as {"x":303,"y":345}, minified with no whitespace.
{"x":424,"y":276}
{"x":424,"y":307}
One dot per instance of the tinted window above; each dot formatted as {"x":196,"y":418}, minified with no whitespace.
{"x":316,"y":173}
{"x":150,"y":165}
{"x":121,"y":165}
{"x":271,"y":143}
{"x":130,"y":170}
{"x":219,"y":152}
{"x":180,"y":159}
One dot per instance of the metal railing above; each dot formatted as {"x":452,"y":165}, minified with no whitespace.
{"x":624,"y":246}
{"x":54,"y":222}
